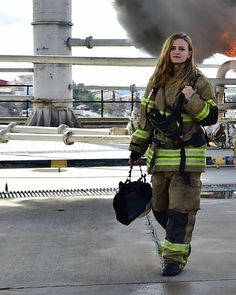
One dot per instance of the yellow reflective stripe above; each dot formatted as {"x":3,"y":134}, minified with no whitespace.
{"x":169,"y":152}
{"x":195,"y":162}
{"x":211,"y":102}
{"x":176,"y":152}
{"x":176,"y":162}
{"x":195,"y":151}
{"x":167,"y":162}
{"x":206,"y":110}
{"x":171,"y":157}
{"x":145,"y":101}
{"x":188,"y":151}
{"x":183,"y":248}
{"x":142,"y":134}
{"x":204,"y":113}
{"x":186,"y":118}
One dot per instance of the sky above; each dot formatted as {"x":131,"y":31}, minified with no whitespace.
{"x":96,"y":18}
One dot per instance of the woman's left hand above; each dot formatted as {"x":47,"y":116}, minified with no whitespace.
{"x":188,"y":92}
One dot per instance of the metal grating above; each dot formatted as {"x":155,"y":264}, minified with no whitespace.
{"x":58,"y":193}
{"x":229,"y":187}
{"x":217,"y":188}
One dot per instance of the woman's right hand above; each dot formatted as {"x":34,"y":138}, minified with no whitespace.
{"x":134,"y":162}
{"x":134,"y":158}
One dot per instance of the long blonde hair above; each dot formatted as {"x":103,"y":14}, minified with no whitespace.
{"x":164,"y":66}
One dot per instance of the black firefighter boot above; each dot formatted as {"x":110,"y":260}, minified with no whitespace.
{"x":170,"y":269}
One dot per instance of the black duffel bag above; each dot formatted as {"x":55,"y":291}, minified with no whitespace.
{"x":132,"y":199}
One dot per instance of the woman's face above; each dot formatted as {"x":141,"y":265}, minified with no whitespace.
{"x":179,"y":52}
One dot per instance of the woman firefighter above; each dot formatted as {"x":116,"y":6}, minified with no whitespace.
{"x":178,"y":101}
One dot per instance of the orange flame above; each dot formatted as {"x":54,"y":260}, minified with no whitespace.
{"x":228,"y":44}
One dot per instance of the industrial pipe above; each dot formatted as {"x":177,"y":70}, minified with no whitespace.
{"x":89,"y":42}
{"x":14,"y":128}
{"x":16,"y":70}
{"x":68,"y":138}
{"x":223,"y":69}
{"x":215,"y":81}
{"x":95,"y":61}
{"x":16,"y":97}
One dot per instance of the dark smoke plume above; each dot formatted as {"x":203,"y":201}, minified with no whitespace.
{"x":211,"y":24}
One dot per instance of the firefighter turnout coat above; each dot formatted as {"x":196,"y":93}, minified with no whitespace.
{"x":200,"y":110}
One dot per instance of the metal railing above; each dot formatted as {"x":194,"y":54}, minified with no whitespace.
{"x":101,"y":101}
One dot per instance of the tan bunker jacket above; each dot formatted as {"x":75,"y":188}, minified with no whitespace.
{"x":163,"y":154}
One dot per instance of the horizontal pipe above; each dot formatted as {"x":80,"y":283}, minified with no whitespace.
{"x":61,"y":59}
{"x":16,"y":97}
{"x":227,"y":106}
{"x":14,"y":128}
{"x":95,"y":61}
{"x":67,"y":138}
{"x":223,"y":81}
{"x":85,"y":121}
{"x":89,"y":42}
{"x":14,"y":70}
{"x":216,"y":81}
{"x":105,"y":87}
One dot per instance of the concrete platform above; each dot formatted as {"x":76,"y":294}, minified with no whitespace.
{"x":74,"y":245}
{"x":95,"y":177}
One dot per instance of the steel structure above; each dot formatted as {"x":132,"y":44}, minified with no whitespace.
{"x":52,"y":96}
{"x":53,"y":62}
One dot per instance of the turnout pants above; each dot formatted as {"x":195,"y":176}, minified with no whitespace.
{"x":175,"y":205}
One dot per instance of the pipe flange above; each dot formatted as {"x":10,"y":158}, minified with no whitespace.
{"x":66,"y":138}
{"x":3,"y":132}
{"x":10,"y":126}
{"x":61,"y":129}
{"x":89,"y":42}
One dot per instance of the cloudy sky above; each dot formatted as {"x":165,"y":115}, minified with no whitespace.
{"x":90,"y":18}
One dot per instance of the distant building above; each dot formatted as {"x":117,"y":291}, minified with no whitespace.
{"x":4,"y":90}
{"x":107,"y":94}
{"x":3,"y":82}
{"x":23,"y":80}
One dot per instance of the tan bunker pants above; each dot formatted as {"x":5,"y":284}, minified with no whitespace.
{"x":175,"y":205}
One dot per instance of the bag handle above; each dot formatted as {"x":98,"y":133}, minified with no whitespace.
{"x":143,"y":176}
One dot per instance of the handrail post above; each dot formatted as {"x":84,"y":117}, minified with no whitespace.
{"x":102,"y":103}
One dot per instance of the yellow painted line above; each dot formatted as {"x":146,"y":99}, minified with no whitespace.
{"x":219,"y":160}
{"x":58,"y":163}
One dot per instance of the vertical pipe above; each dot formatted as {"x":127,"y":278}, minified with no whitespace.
{"x":53,"y":96}
{"x":52,"y":27}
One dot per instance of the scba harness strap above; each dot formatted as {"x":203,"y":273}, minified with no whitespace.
{"x":172,"y":127}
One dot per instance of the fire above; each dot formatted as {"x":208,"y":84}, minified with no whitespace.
{"x":228,"y":44}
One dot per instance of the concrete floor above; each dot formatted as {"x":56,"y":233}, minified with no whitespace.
{"x":75,"y":245}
